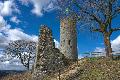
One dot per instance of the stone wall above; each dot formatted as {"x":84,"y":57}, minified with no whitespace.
{"x":48,"y":58}
{"x":44,"y":40}
{"x":68,"y":38}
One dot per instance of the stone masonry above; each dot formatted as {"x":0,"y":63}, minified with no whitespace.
{"x":48,"y":58}
{"x":68,"y":38}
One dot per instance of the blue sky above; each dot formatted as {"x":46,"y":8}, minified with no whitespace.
{"x":27,"y":16}
{"x":21,"y":19}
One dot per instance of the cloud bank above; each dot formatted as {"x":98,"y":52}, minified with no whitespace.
{"x":8,"y":7}
{"x":40,"y":6}
{"x":14,"y":19}
{"x":115,"y":44}
{"x":8,"y":34}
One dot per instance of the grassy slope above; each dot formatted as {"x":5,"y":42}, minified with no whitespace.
{"x":88,"y":69}
{"x":98,"y":69}
{"x":21,"y":76}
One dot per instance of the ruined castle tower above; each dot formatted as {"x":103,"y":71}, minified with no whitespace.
{"x":68,"y":38}
{"x":44,"y":40}
{"x":48,"y":58}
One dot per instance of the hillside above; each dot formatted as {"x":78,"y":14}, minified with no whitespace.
{"x":97,"y":69}
{"x":8,"y":72}
{"x":87,"y":69}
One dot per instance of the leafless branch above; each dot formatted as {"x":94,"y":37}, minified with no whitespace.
{"x":115,"y":29}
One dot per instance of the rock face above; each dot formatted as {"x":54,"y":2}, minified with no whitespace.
{"x":48,"y":58}
{"x":68,"y":38}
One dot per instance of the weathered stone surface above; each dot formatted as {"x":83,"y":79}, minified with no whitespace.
{"x":44,"y":40}
{"x":49,"y":59}
{"x":68,"y":38}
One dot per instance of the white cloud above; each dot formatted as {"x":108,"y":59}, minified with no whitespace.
{"x":11,"y":65}
{"x":99,"y":49}
{"x":115,"y":44}
{"x":7,"y":34}
{"x":40,"y":6}
{"x":2,"y":21}
{"x":17,"y":34}
{"x":37,"y":8}
{"x":57,"y":44}
{"x":80,"y":56}
{"x":8,"y":7}
{"x":15,"y":19}
{"x":25,"y":2}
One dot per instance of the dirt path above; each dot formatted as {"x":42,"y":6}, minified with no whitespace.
{"x":71,"y":70}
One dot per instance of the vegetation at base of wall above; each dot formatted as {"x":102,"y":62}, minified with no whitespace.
{"x":99,"y":68}
{"x":93,"y":59}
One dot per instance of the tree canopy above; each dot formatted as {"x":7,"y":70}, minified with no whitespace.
{"x":22,"y":49}
{"x":98,"y":13}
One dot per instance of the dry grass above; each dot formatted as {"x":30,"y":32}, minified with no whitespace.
{"x":97,"y":69}
{"x":88,"y":69}
{"x":21,"y":76}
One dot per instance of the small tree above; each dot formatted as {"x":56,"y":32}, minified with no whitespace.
{"x":99,"y":13}
{"x":22,"y":49}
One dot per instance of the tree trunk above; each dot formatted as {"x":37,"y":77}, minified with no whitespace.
{"x":28,"y":65}
{"x":59,"y":75}
{"x":107,"y":43}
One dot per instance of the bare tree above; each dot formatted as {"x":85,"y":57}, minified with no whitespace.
{"x":99,"y":13}
{"x":22,"y":49}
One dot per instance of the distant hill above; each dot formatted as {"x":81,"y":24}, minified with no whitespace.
{"x":100,"y":68}
{"x":9,"y":72}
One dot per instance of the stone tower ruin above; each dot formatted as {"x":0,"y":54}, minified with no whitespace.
{"x":68,"y":38}
{"x":48,"y":58}
{"x":45,"y":40}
